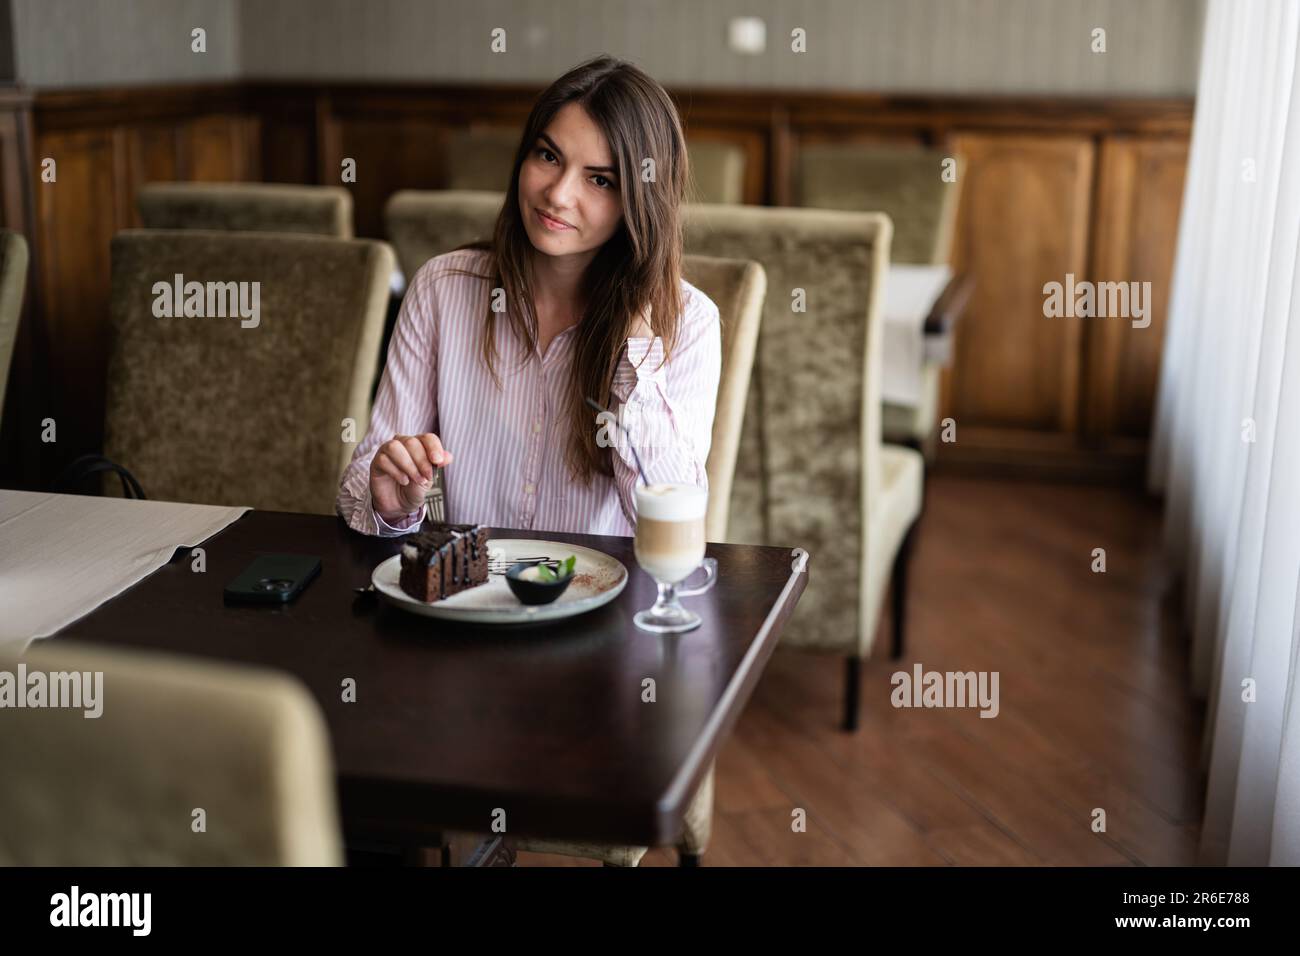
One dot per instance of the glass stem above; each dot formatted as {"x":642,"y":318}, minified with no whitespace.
{"x":667,"y":596}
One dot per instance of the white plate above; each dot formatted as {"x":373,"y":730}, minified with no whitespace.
{"x":598,"y":579}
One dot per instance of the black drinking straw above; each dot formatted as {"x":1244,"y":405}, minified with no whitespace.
{"x":631,"y":444}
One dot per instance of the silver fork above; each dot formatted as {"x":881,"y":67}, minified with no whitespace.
{"x":502,"y":565}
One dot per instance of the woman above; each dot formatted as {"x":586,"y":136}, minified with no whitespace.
{"x":580,"y":293}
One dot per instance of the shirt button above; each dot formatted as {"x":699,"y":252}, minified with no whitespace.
{"x":537,"y":426}
{"x":528,"y":488}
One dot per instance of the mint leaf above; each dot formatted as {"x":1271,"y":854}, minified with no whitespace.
{"x":545,"y":574}
{"x":567,"y":566}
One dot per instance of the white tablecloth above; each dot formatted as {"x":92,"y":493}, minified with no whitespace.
{"x":61,"y":556}
{"x":910,"y":292}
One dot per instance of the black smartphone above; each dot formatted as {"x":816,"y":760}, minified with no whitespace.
{"x":273,"y":579}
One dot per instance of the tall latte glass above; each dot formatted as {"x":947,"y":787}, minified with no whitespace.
{"x":669,"y":546}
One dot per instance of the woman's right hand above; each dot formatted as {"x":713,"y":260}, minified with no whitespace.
{"x":401,"y":473}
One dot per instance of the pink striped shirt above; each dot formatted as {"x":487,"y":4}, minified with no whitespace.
{"x":509,"y":445}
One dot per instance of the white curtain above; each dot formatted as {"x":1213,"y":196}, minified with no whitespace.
{"x":1226,"y":448}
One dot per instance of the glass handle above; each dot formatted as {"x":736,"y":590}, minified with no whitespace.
{"x":710,"y":566}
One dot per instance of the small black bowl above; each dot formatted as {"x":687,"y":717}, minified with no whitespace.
{"x":534,"y":592}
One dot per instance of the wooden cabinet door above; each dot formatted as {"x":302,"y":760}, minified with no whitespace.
{"x":1139,"y":198}
{"x":1022,"y":222}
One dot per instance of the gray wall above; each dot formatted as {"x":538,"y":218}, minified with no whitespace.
{"x":110,"y":42}
{"x":948,"y":46}
{"x":957,"y":46}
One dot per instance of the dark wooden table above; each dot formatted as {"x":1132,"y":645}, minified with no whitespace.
{"x":453,"y":721}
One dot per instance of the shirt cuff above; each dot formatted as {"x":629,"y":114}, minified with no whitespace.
{"x":414,"y":520}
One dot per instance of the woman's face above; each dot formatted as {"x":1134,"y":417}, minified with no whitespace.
{"x":570,"y":174}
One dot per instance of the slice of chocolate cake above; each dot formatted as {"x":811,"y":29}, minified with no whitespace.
{"x":443,"y":559}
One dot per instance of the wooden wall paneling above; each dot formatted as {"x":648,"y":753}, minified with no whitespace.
{"x":216,"y":149}
{"x":759,"y":123}
{"x":876,"y":135}
{"x":153,"y":153}
{"x":703,"y":118}
{"x":1139,"y":199}
{"x":780,"y":189}
{"x":79,"y":213}
{"x":1022,"y":385}
{"x":329,"y":148}
{"x":390,"y":155}
{"x":286,"y":120}
{"x":1001,"y":114}
{"x":1023,"y":222}
{"x":128,"y":105}
{"x":398,"y":136}
{"x":289,"y":153}
{"x":250,"y":153}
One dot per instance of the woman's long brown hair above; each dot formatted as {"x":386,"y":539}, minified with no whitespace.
{"x":639,"y":267}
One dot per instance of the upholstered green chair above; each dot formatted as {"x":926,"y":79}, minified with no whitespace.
{"x":246,"y":746}
{"x":718,"y":171}
{"x":237,"y":411}
{"x":812,"y":470}
{"x":247,"y":207}
{"x":13,"y":280}
{"x":737,"y":287}
{"x":422,"y":224}
{"x":905,"y":183}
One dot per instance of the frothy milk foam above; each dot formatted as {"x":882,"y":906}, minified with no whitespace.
{"x":669,"y":541}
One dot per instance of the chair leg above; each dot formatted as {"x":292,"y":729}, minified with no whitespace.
{"x":688,"y":859}
{"x":852,"y":686}
{"x":898,"y":583}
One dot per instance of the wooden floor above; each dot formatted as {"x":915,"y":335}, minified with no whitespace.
{"x":1094,"y":707}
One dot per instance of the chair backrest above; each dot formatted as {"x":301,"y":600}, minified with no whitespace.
{"x":809,"y":463}
{"x":13,"y":281}
{"x":247,"y":747}
{"x":243,"y":411}
{"x":737,"y":288}
{"x":718,"y":171}
{"x":904,"y":182}
{"x":481,"y":158}
{"x":247,"y":207}
{"x":422,"y":224}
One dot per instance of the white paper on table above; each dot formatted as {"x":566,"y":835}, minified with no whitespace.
{"x":62,"y":556}
{"x":910,"y":293}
